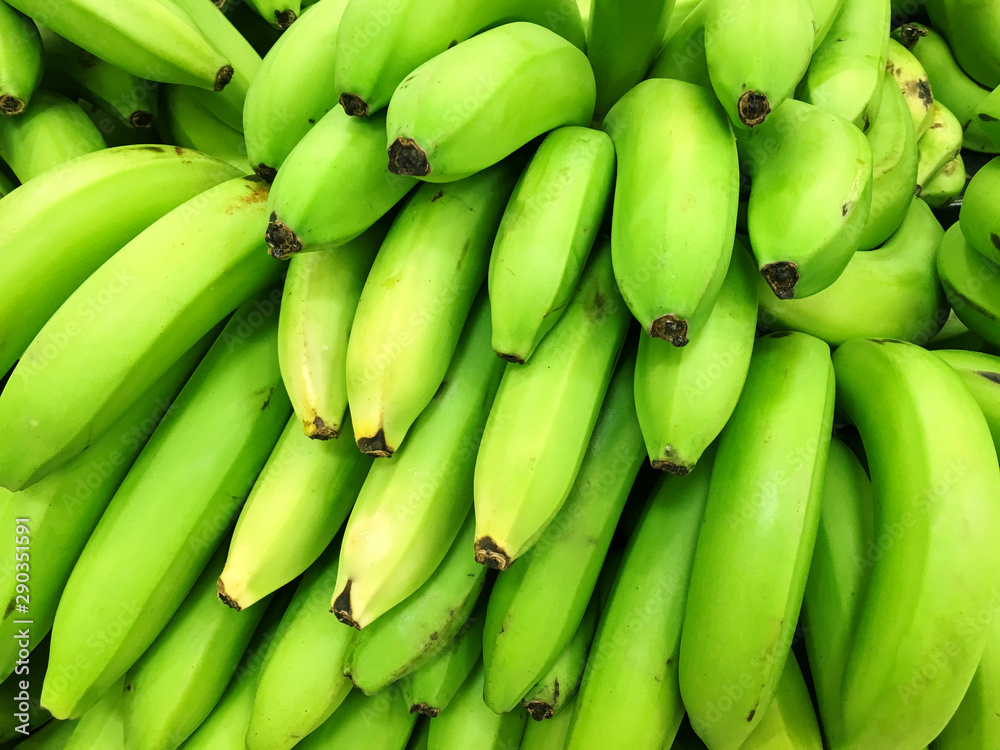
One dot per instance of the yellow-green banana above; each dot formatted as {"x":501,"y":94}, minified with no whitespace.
{"x":378,"y":721}
{"x":127,"y":323}
{"x":981,"y":373}
{"x":551,"y":733}
{"x":675,"y":202}
{"x":980,"y":212}
{"x":971,"y":283}
{"x":101,"y":726}
{"x":905,"y":70}
{"x":545,"y":236}
{"x":684,"y":397}
{"x":191,"y":125}
{"x":824,"y":14}
{"x":470,"y":723}
{"x":954,"y":334}
{"x":969,"y":27}
{"x":939,"y":145}
{"x":413,"y":504}
{"x":543,"y":416}
{"x":279,"y":13}
{"x":415,"y":301}
{"x":20,"y":61}
{"x":820,"y":161}
{"x":789,"y":722}
{"x":946,"y":184}
{"x":762,"y":514}
{"x":462,"y":111}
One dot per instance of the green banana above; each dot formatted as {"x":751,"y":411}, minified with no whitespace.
{"x":101,"y":726}
{"x":300,"y":683}
{"x":43,"y":219}
{"x":622,"y":40}
{"x":825,"y":12}
{"x":670,"y":263}
{"x":845,"y":74}
{"x":891,"y":291}
{"x":629,"y":696}
{"x":939,"y":145}
{"x":470,"y":723}
{"x":844,"y":552}
{"x":802,"y":252}
{"x":383,"y":41}
{"x":64,"y":508}
{"x":954,"y":334}
{"x":318,"y":302}
{"x":415,"y":630}
{"x":756,"y":54}
{"x":969,"y":27}
{"x":153,"y":40}
{"x":684,"y":397}
{"x":261,"y":34}
{"x":762,"y":514}
{"x":981,"y":373}
{"x":293,"y":89}
{"x":429,"y":689}
{"x":53,"y":131}
{"x":461,"y":111}
{"x":682,"y":56}
{"x":536,"y":606}
{"x":413,"y":504}
{"x":894,"y":167}
{"x":543,"y":416}
{"x":987,"y":119}
{"x":279,"y":13}
{"x":7,"y":183}
{"x":551,"y":733}
{"x":978,"y":215}
{"x":20,"y":61}
{"x":52,"y":736}
{"x":545,"y":236}
{"x":168,"y":516}
{"x":905,"y":69}
{"x":182,"y":675}
{"x":933,"y":529}
{"x":297,"y":504}
{"x":187,"y":122}
{"x":789,"y":722}
{"x":332,"y":186}
{"x":128,"y":322}
{"x":415,"y":301}
{"x":421,"y":732}
{"x":380,"y":721}
{"x":971,"y":283}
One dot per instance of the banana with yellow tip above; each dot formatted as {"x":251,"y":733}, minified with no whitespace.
{"x":946,"y":184}
{"x":906,"y":70}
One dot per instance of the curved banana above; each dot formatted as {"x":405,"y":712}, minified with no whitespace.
{"x":419,"y":627}
{"x":978,"y":215}
{"x":939,"y":145}
{"x":101,"y":726}
{"x":976,"y":723}
{"x":293,"y":89}
{"x":684,"y":397}
{"x":383,"y":41}
{"x":415,"y":302}
{"x":933,"y":529}
{"x":903,"y":66}
{"x":842,"y":558}
{"x":301,"y":682}
{"x":987,"y":118}
{"x":825,"y":12}
{"x":622,"y":40}
{"x":762,"y":514}
{"x":971,"y":283}
{"x":845,"y":74}
{"x":152,"y":40}
{"x":954,"y":334}
{"x":296,"y":506}
{"x":380,"y":721}
{"x":670,"y":257}
{"x":894,"y":167}
{"x":332,"y":186}
{"x":43,"y":218}
{"x":756,"y":54}
{"x":543,"y":416}
{"x":968,"y":25}
{"x":789,"y":722}
{"x":182,"y":675}
{"x":168,"y":516}
{"x":946,"y":185}
{"x":53,"y":131}
{"x":536,"y":606}
{"x":461,"y":112}
{"x":824,"y":164}
{"x":547,"y":231}
{"x":629,"y":696}
{"x":412,"y":506}
{"x":279,"y":13}
{"x":470,"y":723}
{"x":20,"y":60}
{"x":981,"y":374}
{"x":889,"y":292}
{"x":551,"y":733}
{"x":191,"y":125}
{"x":318,"y":302}
{"x":53,"y":734}
{"x":128,"y":322}
{"x":682,"y":56}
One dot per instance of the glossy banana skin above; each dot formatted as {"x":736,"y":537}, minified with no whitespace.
{"x":939,"y":145}
{"x":682,"y":56}
{"x":461,"y":111}
{"x":470,"y":723}
{"x":656,"y":241}
{"x":969,"y":27}
{"x":189,"y":123}
{"x":102,"y":725}
{"x":20,"y":61}
{"x":946,"y":185}
{"x":971,"y":283}
{"x":790,"y":720}
{"x":978,"y":215}
{"x":903,"y":67}
{"x":905,"y":402}
{"x":379,"y":720}
{"x":981,"y":373}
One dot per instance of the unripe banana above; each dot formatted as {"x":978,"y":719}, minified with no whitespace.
{"x":981,"y":374}
{"x":101,"y":726}
{"x":987,"y":119}
{"x":756,"y":54}
{"x":903,"y":67}
{"x":190,"y":124}
{"x":889,"y":292}
{"x":971,"y":283}
{"x":954,"y":334}
{"x":789,"y":722}
{"x":682,"y":56}
{"x":415,"y":301}
{"x":383,"y":41}
{"x":762,"y":513}
{"x":380,"y":721}
{"x":803,"y":252}
{"x":976,"y":723}
{"x":20,"y":60}
{"x":470,"y":723}
{"x":53,"y":735}
{"x":464,"y":110}
{"x":542,"y":735}
{"x":825,"y":12}
{"x":675,"y":205}
{"x":279,"y":13}
{"x":547,"y":231}
{"x":543,"y":416}
{"x":939,"y":145}
{"x":684,"y":397}
{"x":969,"y":27}
{"x":978,"y":215}
{"x":332,"y":186}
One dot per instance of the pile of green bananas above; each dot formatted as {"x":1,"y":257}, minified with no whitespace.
{"x":521,"y":373}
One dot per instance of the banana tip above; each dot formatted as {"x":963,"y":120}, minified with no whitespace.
{"x":407,"y":158}
{"x":516,"y":359}
{"x":11,"y":105}
{"x":140,"y":118}
{"x":375,"y":445}
{"x":342,"y":607}
{"x":265,"y":172}
{"x":354,"y":105}
{"x":539,"y":710}
{"x":317,"y":429}
{"x":282,"y":242}
{"x":782,"y":278}
{"x":425,"y":709}
{"x":223,"y":77}
{"x":226,"y":598}
{"x":910,"y":34}
{"x":752,"y":108}
{"x":490,"y":554}
{"x":670,"y":328}
{"x":284,"y":18}
{"x":671,"y":467}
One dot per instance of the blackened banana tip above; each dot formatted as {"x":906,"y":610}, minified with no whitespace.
{"x":140,"y":118}
{"x":511,"y":358}
{"x":266,"y":172}
{"x":782,"y":278}
{"x":670,"y":328}
{"x":11,"y":105}
{"x":539,"y":710}
{"x":284,"y":18}
{"x":662,"y":464}
{"x":226,"y":599}
{"x":752,"y":108}
{"x":490,"y":554}
{"x":342,"y":606}
{"x":317,"y":429}
{"x":407,"y":158}
{"x":425,"y":709}
{"x":375,"y":445}
{"x":223,"y":77}
{"x":282,"y":242}
{"x":354,"y":105}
